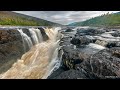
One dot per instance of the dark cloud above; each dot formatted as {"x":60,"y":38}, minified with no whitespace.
{"x":64,"y":17}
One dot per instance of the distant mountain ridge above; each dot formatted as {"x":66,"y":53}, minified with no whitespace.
{"x":13,"y":18}
{"x":103,"y":20}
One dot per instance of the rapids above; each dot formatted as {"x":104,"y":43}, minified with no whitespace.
{"x":40,"y":60}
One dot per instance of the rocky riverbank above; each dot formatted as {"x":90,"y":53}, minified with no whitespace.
{"x":89,"y":53}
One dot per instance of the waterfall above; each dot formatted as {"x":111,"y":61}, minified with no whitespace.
{"x":40,"y":60}
{"x":54,"y":64}
{"x":26,"y":38}
{"x":36,"y":37}
{"x":39,"y":35}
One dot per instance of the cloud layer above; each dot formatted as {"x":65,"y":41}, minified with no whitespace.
{"x":64,"y":17}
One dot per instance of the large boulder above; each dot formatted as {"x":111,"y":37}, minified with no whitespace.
{"x":90,"y":31}
{"x":115,"y":51}
{"x":73,"y":56}
{"x":75,"y":41}
{"x":70,"y":57}
{"x":71,"y":74}
{"x":113,"y":44}
{"x":104,"y":64}
{"x":81,"y":40}
{"x":116,"y":34}
{"x":68,"y":30}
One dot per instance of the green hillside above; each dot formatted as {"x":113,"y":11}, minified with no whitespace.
{"x":103,"y":20}
{"x":14,"y":19}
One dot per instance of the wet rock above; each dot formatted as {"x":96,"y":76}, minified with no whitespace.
{"x":75,"y":41}
{"x":44,"y":35}
{"x":82,"y":40}
{"x":90,"y":31}
{"x":11,"y":48}
{"x":68,"y":30}
{"x":26,"y":31}
{"x":116,"y":34}
{"x":113,"y":44}
{"x":70,"y":57}
{"x":103,"y":64}
{"x":115,"y":51}
{"x":56,"y":73}
{"x":65,"y":41}
{"x":71,"y":74}
{"x":91,"y":49}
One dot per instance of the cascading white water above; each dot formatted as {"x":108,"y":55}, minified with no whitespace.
{"x":39,"y":35}
{"x":39,"y":61}
{"x":34,"y":35}
{"x":26,"y":38}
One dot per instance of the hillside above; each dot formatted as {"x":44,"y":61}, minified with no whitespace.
{"x":103,"y":20}
{"x":12,"y":18}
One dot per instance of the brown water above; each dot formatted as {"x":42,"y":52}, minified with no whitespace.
{"x":35,"y":64}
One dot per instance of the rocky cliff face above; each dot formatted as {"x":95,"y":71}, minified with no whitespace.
{"x":11,"y":47}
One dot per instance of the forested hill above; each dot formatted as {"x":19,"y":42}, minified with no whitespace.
{"x":103,"y":20}
{"x":15,"y":19}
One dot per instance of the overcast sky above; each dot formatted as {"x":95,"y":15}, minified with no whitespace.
{"x":64,"y":17}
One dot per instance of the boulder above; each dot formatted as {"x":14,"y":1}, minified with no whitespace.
{"x":68,"y":30}
{"x":90,"y":31}
{"x":115,"y":51}
{"x":70,"y":57}
{"x":113,"y":44}
{"x":104,"y":64}
{"x":116,"y":34}
{"x":81,"y":40}
{"x":71,"y":74}
{"x":75,"y":41}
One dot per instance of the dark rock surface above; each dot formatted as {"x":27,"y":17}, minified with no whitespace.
{"x":56,"y":73}
{"x":11,"y":48}
{"x":71,"y":74}
{"x":77,"y":63}
{"x":70,"y":57}
{"x":104,"y":64}
{"x":89,"y":31}
{"x":116,"y":34}
{"x":81,"y":40}
{"x":68,"y":30}
{"x":113,"y":44}
{"x":44,"y":35}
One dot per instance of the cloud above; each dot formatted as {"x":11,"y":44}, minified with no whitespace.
{"x":64,"y":17}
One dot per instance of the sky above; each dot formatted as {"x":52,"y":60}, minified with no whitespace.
{"x":65,"y":17}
